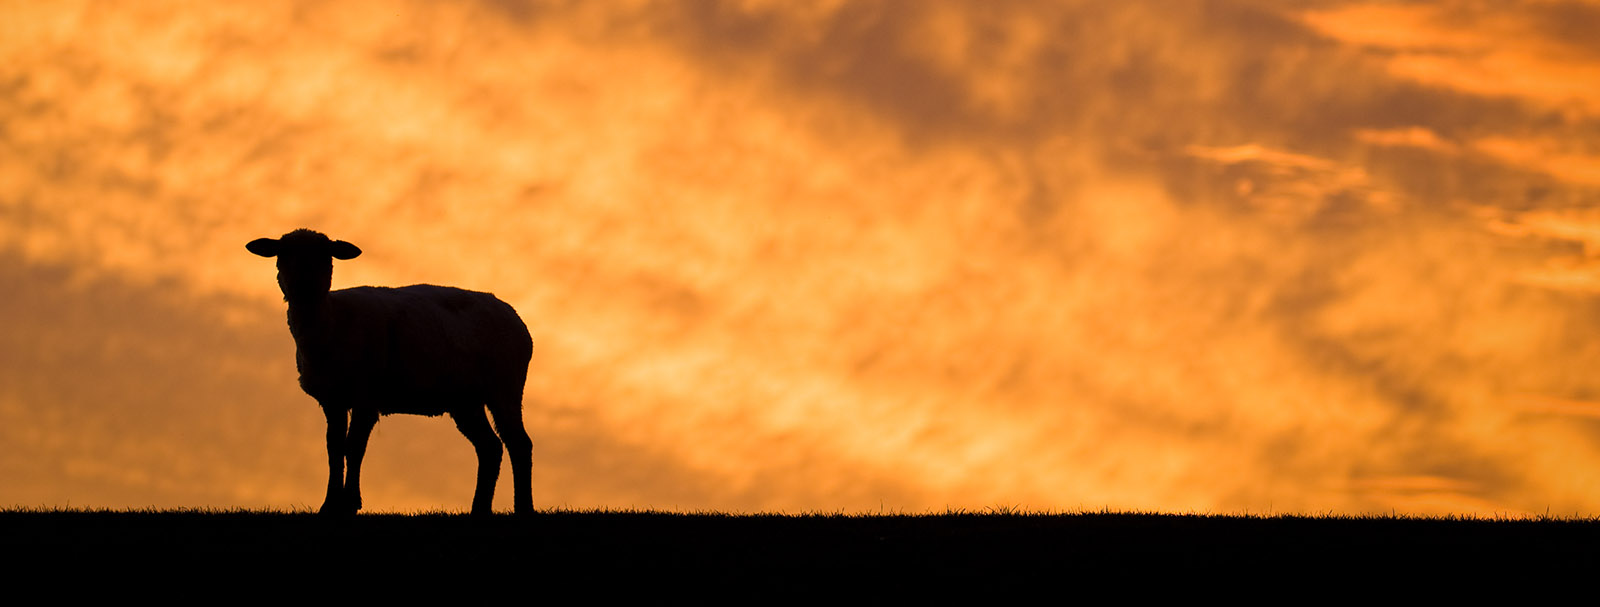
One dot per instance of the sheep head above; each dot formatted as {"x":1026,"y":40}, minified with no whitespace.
{"x":305,"y":261}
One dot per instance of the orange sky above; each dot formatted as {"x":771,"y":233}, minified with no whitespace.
{"x":1230,"y":256}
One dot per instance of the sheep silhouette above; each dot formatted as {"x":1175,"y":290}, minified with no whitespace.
{"x":423,"y":350}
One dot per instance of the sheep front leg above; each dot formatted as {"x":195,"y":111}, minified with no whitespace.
{"x":333,"y":504}
{"x":362,"y":419}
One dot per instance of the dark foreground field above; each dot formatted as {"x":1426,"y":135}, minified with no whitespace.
{"x":690,"y":556}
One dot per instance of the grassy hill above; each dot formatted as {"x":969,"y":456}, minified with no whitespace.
{"x":689,"y":556}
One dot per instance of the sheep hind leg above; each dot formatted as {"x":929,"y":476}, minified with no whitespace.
{"x":472,"y":423}
{"x":508,"y":421}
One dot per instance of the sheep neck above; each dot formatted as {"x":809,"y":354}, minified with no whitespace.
{"x":309,"y":318}
{"x":305,"y":281}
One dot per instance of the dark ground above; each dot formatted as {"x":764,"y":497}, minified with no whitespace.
{"x":864,"y":558}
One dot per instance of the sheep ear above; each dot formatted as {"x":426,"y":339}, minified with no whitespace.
{"x":343,"y":250}
{"x":265,"y":247}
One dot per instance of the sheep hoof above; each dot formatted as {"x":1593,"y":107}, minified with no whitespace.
{"x":337,"y":509}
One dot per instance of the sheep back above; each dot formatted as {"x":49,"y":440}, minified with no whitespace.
{"x":422,"y":349}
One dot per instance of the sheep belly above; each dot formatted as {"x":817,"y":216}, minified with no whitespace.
{"x":423,"y":349}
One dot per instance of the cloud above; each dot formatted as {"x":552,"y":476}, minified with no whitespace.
{"x":1532,"y":51}
{"x":1544,"y":156}
{"x":1415,"y":136}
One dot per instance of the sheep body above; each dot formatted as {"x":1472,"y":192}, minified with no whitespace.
{"x":423,"y":349}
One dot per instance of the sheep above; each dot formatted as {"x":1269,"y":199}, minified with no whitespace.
{"x":423,"y":350}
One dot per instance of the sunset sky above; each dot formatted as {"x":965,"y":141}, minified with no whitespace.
{"x":1214,"y":256}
